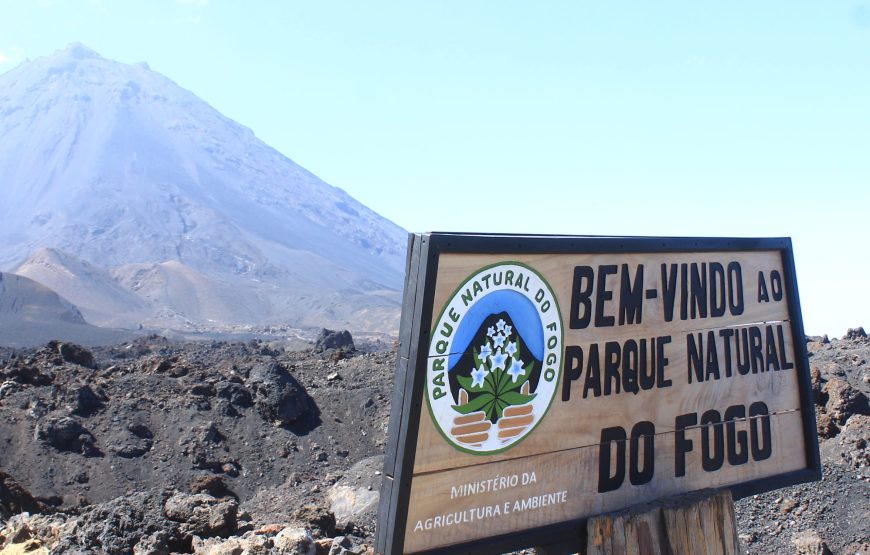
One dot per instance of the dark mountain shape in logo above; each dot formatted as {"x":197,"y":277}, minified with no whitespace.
{"x":509,"y":390}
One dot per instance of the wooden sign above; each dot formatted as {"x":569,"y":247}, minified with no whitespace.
{"x":544,"y":380}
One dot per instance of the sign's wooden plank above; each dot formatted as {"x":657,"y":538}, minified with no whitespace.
{"x":578,"y":421}
{"x":449,"y":507}
{"x":550,"y":379}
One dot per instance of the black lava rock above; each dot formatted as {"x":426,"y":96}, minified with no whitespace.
{"x":278,"y":396}
{"x":83,"y":401}
{"x":76,"y":354}
{"x":330,"y":340}
{"x":235,"y":393}
{"x":66,"y":434}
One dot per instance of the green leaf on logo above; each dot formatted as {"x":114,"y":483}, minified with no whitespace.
{"x":514,"y":398}
{"x":478,"y":403}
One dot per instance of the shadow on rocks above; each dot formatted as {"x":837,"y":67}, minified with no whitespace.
{"x":14,"y":499}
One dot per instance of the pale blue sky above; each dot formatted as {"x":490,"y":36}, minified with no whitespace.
{"x":642,"y":118}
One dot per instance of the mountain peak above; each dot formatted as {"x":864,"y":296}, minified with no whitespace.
{"x":120,"y":167}
{"x":78,"y":51}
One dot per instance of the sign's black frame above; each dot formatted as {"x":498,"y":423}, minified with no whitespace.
{"x":421,"y":270}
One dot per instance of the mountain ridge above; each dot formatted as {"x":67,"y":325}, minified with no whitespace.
{"x":31,"y":313}
{"x":116,"y":165}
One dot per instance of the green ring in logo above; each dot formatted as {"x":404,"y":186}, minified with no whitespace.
{"x":494,"y":359}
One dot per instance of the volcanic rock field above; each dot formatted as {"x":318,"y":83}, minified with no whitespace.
{"x":157,"y":447}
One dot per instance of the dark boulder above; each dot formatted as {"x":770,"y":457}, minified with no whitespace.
{"x":76,"y":354}
{"x":132,"y":441}
{"x":277,"y":394}
{"x":83,"y":401}
{"x":66,"y":434}
{"x":844,"y":401}
{"x":330,"y":340}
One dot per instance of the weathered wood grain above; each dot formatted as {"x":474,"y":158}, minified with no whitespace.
{"x":689,"y":525}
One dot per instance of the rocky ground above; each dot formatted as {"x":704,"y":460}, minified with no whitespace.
{"x":152,"y":447}
{"x":831,"y":516}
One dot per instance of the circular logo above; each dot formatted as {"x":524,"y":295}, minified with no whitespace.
{"x":494,"y":359}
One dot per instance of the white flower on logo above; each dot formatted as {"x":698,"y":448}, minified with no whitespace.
{"x":485,"y":352}
{"x":511,"y":348}
{"x":477,"y":376}
{"x":500,"y":324}
{"x":498,"y":341}
{"x":491,"y":331}
{"x":508,"y":330}
{"x":516,"y":370}
{"x":499,"y":359}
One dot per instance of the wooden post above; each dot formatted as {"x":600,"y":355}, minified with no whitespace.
{"x":687,"y":525}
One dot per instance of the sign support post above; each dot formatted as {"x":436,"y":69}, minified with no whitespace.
{"x":686,"y":525}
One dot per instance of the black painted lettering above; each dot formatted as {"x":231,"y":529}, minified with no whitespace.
{"x":684,"y":291}
{"x":631,"y":296}
{"x":712,"y":362}
{"x":755,"y":349}
{"x":669,"y":290}
{"x":593,"y":373}
{"x":699,"y":290}
{"x":771,"y":357}
{"x":735,"y":288}
{"x":776,"y":285}
{"x":602,"y":295}
{"x":726,"y":335}
{"x":717,"y":290}
{"x":609,"y":479}
{"x":662,"y":361}
{"x":647,"y":431}
{"x":612,"y":359}
{"x":763,"y":297}
{"x":759,"y":416}
{"x":695,"y":358}
{"x":572,"y":370}
{"x":630,"y":366}
{"x":784,"y":362}
{"x":647,"y":380}
{"x":581,"y":293}
{"x":710,"y":461}
{"x":736,"y":439}
{"x":682,"y":445}
{"x":743,"y":362}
